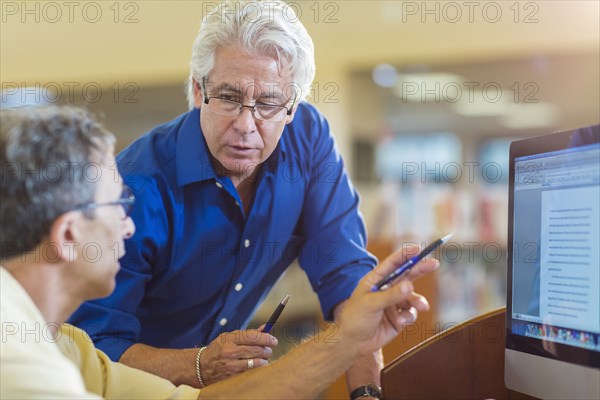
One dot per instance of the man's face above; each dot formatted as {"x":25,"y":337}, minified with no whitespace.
{"x":241,"y":143}
{"x":104,"y":234}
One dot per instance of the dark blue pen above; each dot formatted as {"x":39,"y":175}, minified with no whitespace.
{"x":401,"y":270}
{"x":275,"y":315}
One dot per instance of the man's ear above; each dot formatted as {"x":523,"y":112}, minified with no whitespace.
{"x":64,"y":237}
{"x":290,"y":118}
{"x":198,"y":96}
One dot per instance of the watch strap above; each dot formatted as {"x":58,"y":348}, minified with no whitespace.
{"x":370,"y":390}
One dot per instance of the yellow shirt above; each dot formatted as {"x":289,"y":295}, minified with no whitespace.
{"x":35,"y":365}
{"x":113,"y":380}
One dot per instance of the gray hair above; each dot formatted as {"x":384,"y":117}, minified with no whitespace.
{"x":47,"y":159}
{"x":256,"y":27}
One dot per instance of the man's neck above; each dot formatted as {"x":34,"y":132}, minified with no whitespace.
{"x":243,"y":182}
{"x":49,"y":293}
{"x":245,"y":188}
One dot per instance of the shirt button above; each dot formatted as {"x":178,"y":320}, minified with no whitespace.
{"x":218,"y":185}
{"x":247,"y":243}
{"x":223,"y":321}
{"x":238,"y":287}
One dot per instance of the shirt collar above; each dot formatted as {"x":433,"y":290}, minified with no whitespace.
{"x":192,"y":154}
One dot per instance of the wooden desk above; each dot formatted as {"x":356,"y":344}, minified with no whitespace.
{"x":464,"y":362}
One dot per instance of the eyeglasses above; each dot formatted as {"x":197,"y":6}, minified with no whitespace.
{"x":126,"y":201}
{"x":228,"y":107}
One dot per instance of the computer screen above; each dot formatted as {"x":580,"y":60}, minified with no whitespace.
{"x":553,"y":302}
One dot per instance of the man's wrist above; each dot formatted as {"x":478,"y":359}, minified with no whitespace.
{"x":370,"y":390}
{"x":199,"y":368}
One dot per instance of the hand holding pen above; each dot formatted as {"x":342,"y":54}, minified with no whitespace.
{"x":238,"y":351}
{"x":384,"y":283}
{"x":373,"y":318}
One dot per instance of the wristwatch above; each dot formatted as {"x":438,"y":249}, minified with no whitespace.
{"x":370,"y":390}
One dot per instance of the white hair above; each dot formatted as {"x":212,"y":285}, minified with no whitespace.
{"x":256,"y":27}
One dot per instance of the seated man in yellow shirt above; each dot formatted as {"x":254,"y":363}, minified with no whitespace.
{"x":64,"y":215}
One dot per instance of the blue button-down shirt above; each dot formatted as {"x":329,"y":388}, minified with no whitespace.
{"x":197,"y":265}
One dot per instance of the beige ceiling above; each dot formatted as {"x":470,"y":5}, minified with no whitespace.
{"x":154,"y":46}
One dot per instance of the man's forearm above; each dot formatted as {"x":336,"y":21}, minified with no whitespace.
{"x":302,"y":373}
{"x":178,"y":366}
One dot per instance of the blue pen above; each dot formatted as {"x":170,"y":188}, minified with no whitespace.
{"x":275,"y":315}
{"x":401,"y":270}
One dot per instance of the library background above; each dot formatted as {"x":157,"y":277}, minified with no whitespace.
{"x":423,"y":106}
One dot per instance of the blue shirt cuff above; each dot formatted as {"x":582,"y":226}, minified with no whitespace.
{"x":340,"y":289}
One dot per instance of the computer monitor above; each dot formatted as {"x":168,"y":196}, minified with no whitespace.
{"x":553,"y":300}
